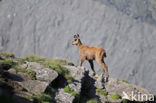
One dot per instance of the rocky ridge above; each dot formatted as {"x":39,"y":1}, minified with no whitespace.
{"x":30,"y":82}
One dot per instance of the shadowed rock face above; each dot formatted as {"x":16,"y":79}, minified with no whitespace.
{"x":46,"y":28}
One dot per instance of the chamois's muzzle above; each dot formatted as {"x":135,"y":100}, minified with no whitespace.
{"x":72,"y":43}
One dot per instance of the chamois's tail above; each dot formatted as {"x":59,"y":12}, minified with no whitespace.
{"x":105,"y":55}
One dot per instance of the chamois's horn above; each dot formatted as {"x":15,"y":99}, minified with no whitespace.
{"x":77,"y":35}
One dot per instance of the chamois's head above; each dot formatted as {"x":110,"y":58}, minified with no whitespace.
{"x":76,"y":40}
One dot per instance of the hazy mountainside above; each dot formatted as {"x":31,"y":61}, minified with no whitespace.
{"x":144,"y":10}
{"x":46,"y":28}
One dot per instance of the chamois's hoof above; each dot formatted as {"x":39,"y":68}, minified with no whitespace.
{"x":106,"y":79}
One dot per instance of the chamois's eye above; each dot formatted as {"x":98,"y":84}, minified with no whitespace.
{"x":75,"y":40}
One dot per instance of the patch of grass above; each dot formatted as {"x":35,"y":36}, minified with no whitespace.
{"x":59,"y":68}
{"x":29,"y":71}
{"x":102,"y":92}
{"x":62,"y":62}
{"x":6,"y":55}
{"x":126,"y":101}
{"x":46,"y":102}
{"x":93,"y":101}
{"x":34,"y":58}
{"x":124,"y":80}
{"x":28,"y":97}
{"x":115,"y":96}
{"x":44,"y":98}
{"x":7,"y":64}
{"x":69,"y":78}
{"x":23,"y":70}
{"x":54,"y":65}
{"x":70,"y":91}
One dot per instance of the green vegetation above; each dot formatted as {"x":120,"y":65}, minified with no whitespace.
{"x":34,"y":58}
{"x":70,"y":91}
{"x":7,"y":63}
{"x":115,"y":96}
{"x":59,"y":68}
{"x":126,"y":101}
{"x":102,"y":92}
{"x":124,"y":80}
{"x":6,"y":55}
{"x":30,"y":98}
{"x":29,"y":71}
{"x":44,"y":98}
{"x":69,"y":78}
{"x":23,"y":70}
{"x":56,"y":64}
{"x":93,"y":101}
{"x":62,"y":62}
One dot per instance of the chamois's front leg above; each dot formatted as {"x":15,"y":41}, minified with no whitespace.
{"x":91,"y":65}
{"x":81,"y":62}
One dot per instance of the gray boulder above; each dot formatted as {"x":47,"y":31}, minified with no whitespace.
{"x":62,"y":97}
{"x":34,"y":86}
{"x":44,"y":77}
{"x":43,"y":73}
{"x":125,"y":90}
{"x":78,"y":73}
{"x":100,"y":82}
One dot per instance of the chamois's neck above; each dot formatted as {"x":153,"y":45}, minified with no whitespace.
{"x":79,"y":44}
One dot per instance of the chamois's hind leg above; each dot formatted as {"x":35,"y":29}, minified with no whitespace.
{"x":103,"y":65}
{"x":105,"y":68}
{"x":91,"y":65}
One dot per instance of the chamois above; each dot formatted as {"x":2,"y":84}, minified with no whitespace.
{"x":91,"y":53}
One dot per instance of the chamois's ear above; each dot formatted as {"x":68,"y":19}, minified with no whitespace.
{"x":75,"y":36}
{"x":78,"y":35}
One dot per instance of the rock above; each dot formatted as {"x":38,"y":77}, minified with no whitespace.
{"x":44,"y":77}
{"x":34,"y":86}
{"x":62,"y":97}
{"x":100,"y":82}
{"x":114,"y":86}
{"x":77,"y":72}
{"x":118,"y":86}
{"x":42,"y":73}
{"x":25,"y":76}
{"x":11,"y":70}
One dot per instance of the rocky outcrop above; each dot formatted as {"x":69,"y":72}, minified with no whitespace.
{"x":42,"y":73}
{"x":48,"y":85}
{"x":126,"y":91}
{"x":79,"y":73}
{"x":84,"y":77}
{"x":44,"y":76}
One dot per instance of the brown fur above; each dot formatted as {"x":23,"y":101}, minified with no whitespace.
{"x":91,"y":53}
